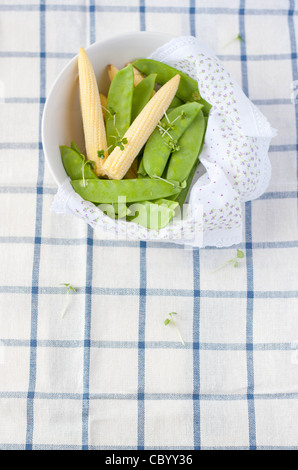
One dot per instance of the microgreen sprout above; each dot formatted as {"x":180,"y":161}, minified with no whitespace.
{"x":240,"y":255}
{"x":171,"y":320}
{"x":237,"y":38}
{"x":181,"y":116}
{"x":69,"y":289}
{"x":162,"y":179}
{"x":112,"y":113}
{"x":109,"y":148}
{"x":86,"y":162}
{"x":163,"y":131}
{"x":101,"y":154}
{"x":173,"y":145}
{"x":170,"y":124}
{"x":107,"y":111}
{"x":167,"y":117}
{"x":121,"y":143}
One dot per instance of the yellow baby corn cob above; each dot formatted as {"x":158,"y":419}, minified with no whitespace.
{"x":103,"y":102}
{"x":93,"y":123}
{"x":119,"y":161}
{"x":112,"y":70}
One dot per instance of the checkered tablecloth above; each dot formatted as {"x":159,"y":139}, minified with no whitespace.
{"x":110,"y":375}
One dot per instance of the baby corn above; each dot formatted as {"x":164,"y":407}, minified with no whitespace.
{"x":112,"y":70}
{"x":93,"y":122}
{"x":119,"y":161}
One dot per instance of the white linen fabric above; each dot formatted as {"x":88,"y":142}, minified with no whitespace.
{"x":110,"y":374}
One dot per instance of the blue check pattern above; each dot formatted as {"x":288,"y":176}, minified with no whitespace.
{"x":110,"y":375}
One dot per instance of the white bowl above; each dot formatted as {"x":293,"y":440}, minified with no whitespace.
{"x":62,"y":120}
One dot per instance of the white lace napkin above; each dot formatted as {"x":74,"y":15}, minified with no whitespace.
{"x":234,"y":164}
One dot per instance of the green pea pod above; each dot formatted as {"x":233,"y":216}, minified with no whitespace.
{"x":164,"y":138}
{"x":153,"y":215}
{"x":188,"y":88}
{"x":180,"y":198}
{"x":75,"y":164}
{"x":142,"y":94}
{"x":182,"y":161}
{"x":75,"y":147}
{"x":134,"y":190}
{"x":118,"y":116}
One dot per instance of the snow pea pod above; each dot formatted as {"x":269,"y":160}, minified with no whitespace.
{"x":142,"y":94}
{"x":153,"y":215}
{"x":75,"y":147}
{"x":180,"y":198}
{"x":188,"y":88}
{"x":118,"y":117}
{"x":134,"y":190}
{"x":182,"y":161}
{"x":74,"y":164}
{"x":164,"y":138}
